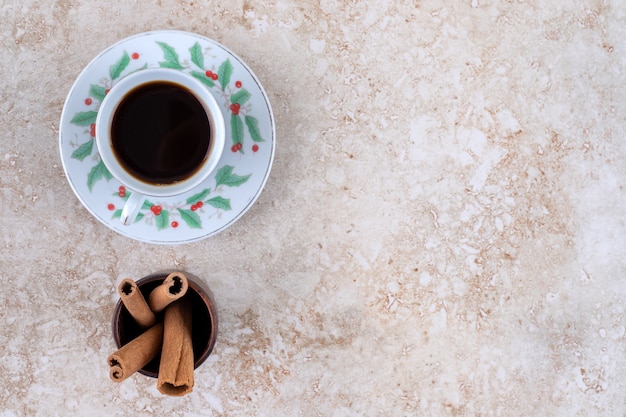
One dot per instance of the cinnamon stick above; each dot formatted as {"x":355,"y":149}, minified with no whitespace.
{"x":173,"y":287}
{"x":177,"y":362}
{"x":135,"y":303}
{"x":136,"y":354}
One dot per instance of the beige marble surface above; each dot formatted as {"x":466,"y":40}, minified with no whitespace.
{"x":442,"y":233}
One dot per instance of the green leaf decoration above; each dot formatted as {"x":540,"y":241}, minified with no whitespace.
{"x":226,"y":177}
{"x":236,"y":127}
{"x":145,"y":66}
{"x":222,"y":174}
{"x":202,"y":77}
{"x":196,"y":55}
{"x":97,"y":91}
{"x":240,"y":97}
{"x":98,"y":172}
{"x":253,"y":128}
{"x":172,"y":65}
{"x":237,"y":180}
{"x":105,"y":172}
{"x":224,"y":73}
{"x":197,"y":197}
{"x":83,"y":150}
{"x":171,"y":57}
{"x":219,"y":202}
{"x":191,"y":218}
{"x":84,"y":118}
{"x":162,"y":220}
{"x":116,"y":69}
{"x":146,"y":204}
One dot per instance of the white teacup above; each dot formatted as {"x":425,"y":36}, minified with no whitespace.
{"x":151,"y":133}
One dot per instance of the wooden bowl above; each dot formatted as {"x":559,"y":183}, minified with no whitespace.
{"x":204,"y":319}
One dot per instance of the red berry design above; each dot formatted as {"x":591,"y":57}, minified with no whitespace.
{"x":174,"y":224}
{"x":156,"y":210}
{"x":234,"y":148}
{"x":238,"y":84}
{"x":107,"y":91}
{"x":88,"y":101}
{"x":235,"y":108}
{"x":196,"y":206}
{"x":255,"y":148}
{"x":239,"y":146}
{"x":135,"y":55}
{"x":209,"y":73}
{"x":92,"y":130}
{"x":111,"y":207}
{"x":122,"y":191}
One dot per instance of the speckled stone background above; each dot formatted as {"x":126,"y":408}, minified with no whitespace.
{"x":442,"y":233}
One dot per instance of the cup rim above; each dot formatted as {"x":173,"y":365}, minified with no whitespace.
{"x":105,"y":116}
{"x":196,"y":285}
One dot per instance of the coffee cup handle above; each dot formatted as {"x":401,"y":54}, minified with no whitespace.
{"x":131,"y":208}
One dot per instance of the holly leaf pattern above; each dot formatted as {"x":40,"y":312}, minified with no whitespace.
{"x":172,"y":65}
{"x":116,"y":69}
{"x":83,"y":150}
{"x":170,"y":56}
{"x":253,"y":127}
{"x":196,"y":55}
{"x":97,"y":91}
{"x":226,"y":177}
{"x":191,"y":218}
{"x":145,"y":66}
{"x":98,"y":172}
{"x":84,"y":118}
{"x":162,"y":220}
{"x":236,"y":127}
{"x":240,"y":97}
{"x":224,"y":72}
{"x":198,"y":197}
{"x":202,"y":77}
{"x":219,"y":203}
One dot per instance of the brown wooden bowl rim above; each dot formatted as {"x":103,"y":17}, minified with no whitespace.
{"x":195,"y":284}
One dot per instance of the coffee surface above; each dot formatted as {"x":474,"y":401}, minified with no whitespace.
{"x":160,"y":133}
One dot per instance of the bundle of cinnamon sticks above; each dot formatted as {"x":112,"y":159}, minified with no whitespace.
{"x":170,"y":336}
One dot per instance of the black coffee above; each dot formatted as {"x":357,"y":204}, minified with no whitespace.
{"x":160,"y":133}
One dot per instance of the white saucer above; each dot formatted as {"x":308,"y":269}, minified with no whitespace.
{"x":242,"y":171}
